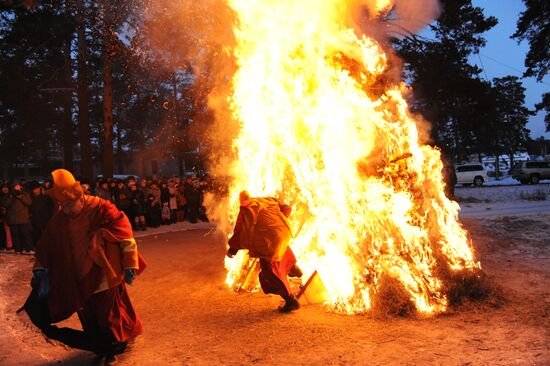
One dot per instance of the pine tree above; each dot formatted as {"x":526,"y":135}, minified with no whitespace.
{"x":512,"y":115}
{"x":534,"y":26}
{"x":447,"y":89}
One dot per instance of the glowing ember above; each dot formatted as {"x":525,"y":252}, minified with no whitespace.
{"x":318,"y":132}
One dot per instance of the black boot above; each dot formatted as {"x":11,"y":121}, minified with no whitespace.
{"x":291,"y":304}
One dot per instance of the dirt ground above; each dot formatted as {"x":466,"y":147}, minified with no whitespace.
{"x":192,"y":318}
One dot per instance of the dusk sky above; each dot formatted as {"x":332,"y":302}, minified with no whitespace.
{"x":504,"y":56}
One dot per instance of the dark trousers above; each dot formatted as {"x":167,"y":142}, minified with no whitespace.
{"x":22,"y":237}
{"x":274,"y":275}
{"x":193,"y":208}
{"x":36,"y":234}
{"x":3,"y":236}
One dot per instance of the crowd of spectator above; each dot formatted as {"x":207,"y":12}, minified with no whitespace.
{"x":25,"y":209}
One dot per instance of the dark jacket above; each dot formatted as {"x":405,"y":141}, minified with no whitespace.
{"x":3,"y":199}
{"x":137,"y":202}
{"x":42,"y":210}
{"x":17,"y":208}
{"x":105,"y":194}
{"x":123,"y":200}
{"x":164,"y":195}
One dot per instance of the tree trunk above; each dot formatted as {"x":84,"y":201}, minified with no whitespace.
{"x":67,"y":134}
{"x":86,"y":170}
{"x":119,"y":153}
{"x":175,"y":125}
{"x":107,"y":93}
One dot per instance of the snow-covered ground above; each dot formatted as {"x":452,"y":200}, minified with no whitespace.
{"x":507,"y":181}
{"x":503,"y":198}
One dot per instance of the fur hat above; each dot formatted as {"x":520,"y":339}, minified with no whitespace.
{"x":65,"y":187}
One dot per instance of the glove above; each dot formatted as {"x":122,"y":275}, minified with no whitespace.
{"x":129,"y":275}
{"x":41,"y":281}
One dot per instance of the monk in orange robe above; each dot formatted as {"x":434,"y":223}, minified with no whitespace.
{"x":85,"y":258}
{"x":277,"y":260}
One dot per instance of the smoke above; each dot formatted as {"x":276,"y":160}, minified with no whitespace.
{"x":397,"y":18}
{"x":196,"y":36}
{"x":413,"y":15}
{"x":386,"y":19}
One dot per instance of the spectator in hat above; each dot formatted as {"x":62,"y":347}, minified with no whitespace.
{"x":191,"y":192}
{"x":137,"y":208}
{"x":42,"y":209}
{"x":5,"y":190}
{"x":173,"y":201}
{"x":18,"y":216}
{"x":122,"y":199}
{"x":103,"y":191}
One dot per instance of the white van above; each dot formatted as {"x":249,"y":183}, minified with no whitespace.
{"x":472,"y":173}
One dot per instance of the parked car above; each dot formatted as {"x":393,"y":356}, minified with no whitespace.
{"x":473,"y":173}
{"x":530,"y":171}
{"x":491,"y":169}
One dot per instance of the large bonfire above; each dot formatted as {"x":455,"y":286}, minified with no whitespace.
{"x":322,"y":130}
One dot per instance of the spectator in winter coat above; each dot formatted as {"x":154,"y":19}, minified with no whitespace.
{"x":103,"y":191}
{"x":19,"y":219}
{"x":449,"y":177}
{"x":122,"y":199}
{"x":143,"y":188}
{"x":173,"y":204}
{"x":42,"y":209}
{"x":180,"y":199}
{"x":192,"y":197}
{"x":113,"y":188}
{"x":137,"y":207}
{"x":164,"y":194}
{"x":3,"y":223}
{"x":47,"y":185}
{"x":85,"y":188}
{"x":153,"y":211}
{"x":155,"y":191}
{"x":204,"y":186}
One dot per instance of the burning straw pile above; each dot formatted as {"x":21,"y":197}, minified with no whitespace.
{"x":324,"y":126}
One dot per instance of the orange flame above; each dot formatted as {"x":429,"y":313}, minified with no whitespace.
{"x":317,"y":132}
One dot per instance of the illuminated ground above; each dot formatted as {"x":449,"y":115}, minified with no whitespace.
{"x":192,"y":319}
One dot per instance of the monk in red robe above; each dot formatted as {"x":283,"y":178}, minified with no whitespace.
{"x":269,"y":244}
{"x":85,"y":258}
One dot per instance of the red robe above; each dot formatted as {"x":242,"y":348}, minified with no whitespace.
{"x":80,"y":252}
{"x":274,"y":275}
{"x":275,"y":268}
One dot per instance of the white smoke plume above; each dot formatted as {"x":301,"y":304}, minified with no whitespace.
{"x":390,"y":18}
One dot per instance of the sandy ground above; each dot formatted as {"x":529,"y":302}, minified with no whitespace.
{"x":191,"y":318}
